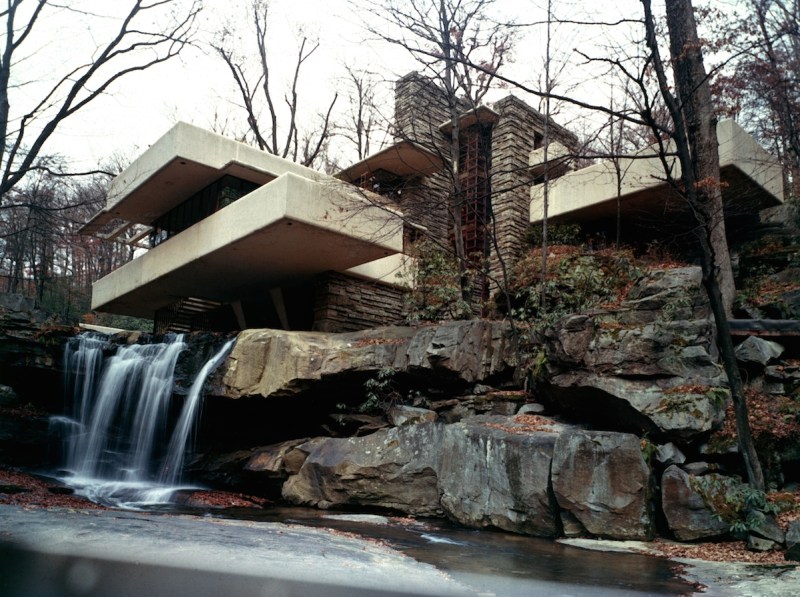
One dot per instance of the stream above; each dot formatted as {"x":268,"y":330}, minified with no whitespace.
{"x":494,"y":562}
{"x":125,"y":451}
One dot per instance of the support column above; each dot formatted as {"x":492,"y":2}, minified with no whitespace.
{"x":280,"y":306}
{"x":239,"y":313}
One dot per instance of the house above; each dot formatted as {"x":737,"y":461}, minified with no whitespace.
{"x":240,"y":238}
{"x":752,"y":180}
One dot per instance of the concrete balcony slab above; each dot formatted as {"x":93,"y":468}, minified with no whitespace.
{"x":752,"y":180}
{"x":290,"y":229}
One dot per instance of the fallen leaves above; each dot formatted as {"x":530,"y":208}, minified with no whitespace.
{"x":730,"y":551}
{"x":770,"y":417}
{"x":22,"y":489}
{"x":222,"y":499}
{"x":525,"y":424}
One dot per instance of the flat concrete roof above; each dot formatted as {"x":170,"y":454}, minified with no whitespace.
{"x":402,"y":159}
{"x":753,"y":180}
{"x":182,"y":162}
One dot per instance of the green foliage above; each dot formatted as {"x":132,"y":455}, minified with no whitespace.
{"x":575,"y":283}
{"x":436,"y":292}
{"x":740,"y":506}
{"x":676,"y":308}
{"x":65,"y":300}
{"x":124,"y":322}
{"x":649,"y":450}
{"x":718,"y":395}
{"x":557,"y":234}
{"x":539,"y":364}
{"x":380,"y":391}
{"x":764,"y":280}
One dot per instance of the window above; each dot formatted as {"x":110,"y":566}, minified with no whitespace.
{"x":217,"y":195}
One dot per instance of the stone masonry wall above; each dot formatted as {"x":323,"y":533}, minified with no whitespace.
{"x":512,"y":141}
{"x":345,"y":303}
{"x":420,"y":107}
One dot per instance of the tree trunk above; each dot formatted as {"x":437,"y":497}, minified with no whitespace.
{"x":700,"y":121}
{"x":696,"y":142}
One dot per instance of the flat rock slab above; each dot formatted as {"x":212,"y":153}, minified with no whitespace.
{"x":90,"y":552}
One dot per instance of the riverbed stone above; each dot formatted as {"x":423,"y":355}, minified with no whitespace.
{"x":531,"y":408}
{"x":689,"y":514}
{"x":756,"y":543}
{"x":601,"y":478}
{"x":767,"y":528}
{"x":495,"y":473}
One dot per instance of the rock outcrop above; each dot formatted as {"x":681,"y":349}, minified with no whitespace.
{"x":638,"y":366}
{"x":486,"y":471}
{"x":269,"y":363}
{"x":495,"y":472}
{"x":31,"y":350}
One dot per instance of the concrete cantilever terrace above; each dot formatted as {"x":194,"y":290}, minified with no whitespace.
{"x":752,"y":179}
{"x":296,"y":223}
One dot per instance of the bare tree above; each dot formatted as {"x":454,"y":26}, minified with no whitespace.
{"x":363,"y":118}
{"x":759,"y":82}
{"x":134,"y":47}
{"x":41,"y":254}
{"x":695,"y":140}
{"x":448,"y":37}
{"x":548,"y":89}
{"x":278,"y":131}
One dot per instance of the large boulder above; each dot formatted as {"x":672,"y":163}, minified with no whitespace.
{"x":765,"y":534}
{"x":395,"y":468}
{"x":268,"y":363}
{"x":602,"y":481}
{"x":793,"y":541}
{"x":757,"y":351}
{"x":688,"y":502}
{"x":495,"y":473}
{"x":486,"y":471}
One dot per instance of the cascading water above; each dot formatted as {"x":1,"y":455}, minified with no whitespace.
{"x":116,"y":436}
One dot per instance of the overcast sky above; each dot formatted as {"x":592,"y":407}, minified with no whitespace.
{"x":197,"y":86}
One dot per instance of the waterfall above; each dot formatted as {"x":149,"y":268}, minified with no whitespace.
{"x":173,"y":463}
{"x":119,"y":449}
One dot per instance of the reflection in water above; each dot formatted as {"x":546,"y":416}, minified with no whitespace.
{"x":501,"y":563}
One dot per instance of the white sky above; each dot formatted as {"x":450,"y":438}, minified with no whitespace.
{"x":197,"y":85}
